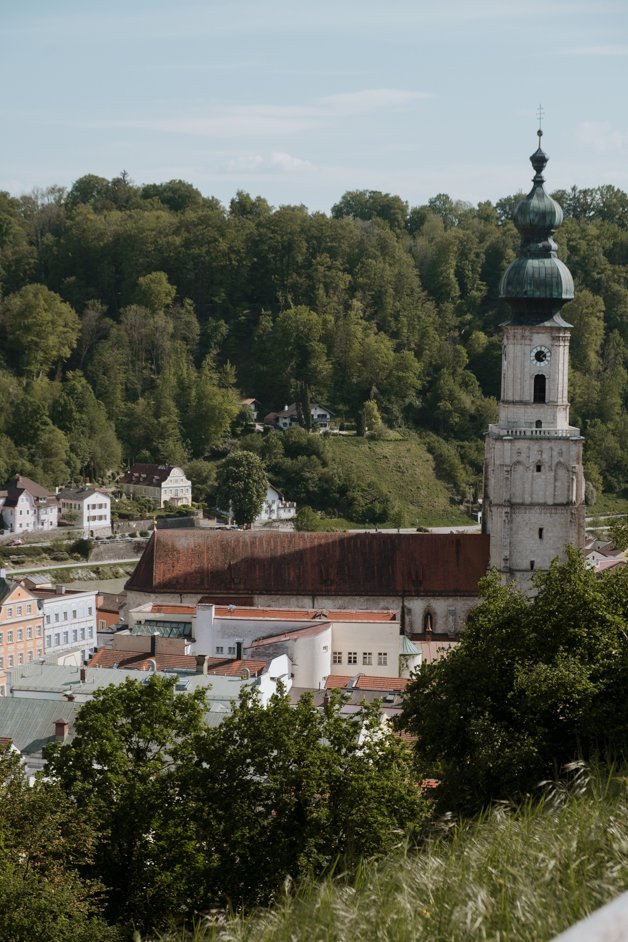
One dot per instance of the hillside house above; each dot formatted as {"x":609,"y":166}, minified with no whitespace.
{"x":86,"y":509}
{"x":288,"y":417}
{"x":162,"y":484}
{"x":275,"y":507}
{"x":26,"y":506}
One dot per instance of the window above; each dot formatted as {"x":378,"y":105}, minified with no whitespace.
{"x":20,"y":634}
{"x":82,"y":634}
{"x":74,"y":635}
{"x":30,"y":656}
{"x":89,"y":610}
{"x":38,"y":632}
{"x":19,"y":609}
{"x":367,"y":658}
{"x":231,"y":649}
{"x":29,"y":609}
{"x":10,"y":637}
{"x":65,"y":616}
{"x":540,"y":533}
{"x":539,"y":468}
{"x":220,"y":649}
{"x":57,"y":640}
{"x":382,"y":659}
{"x":10,"y":660}
{"x":10,"y":613}
{"x":47,"y":619}
{"x":336,"y":657}
{"x":352,"y":657}
{"x":56,"y":616}
{"x":539,"y":388}
{"x":531,"y":564}
{"x":73,"y":613}
{"x":66,"y":637}
{"x":538,"y":424}
{"x":48,"y":641}
{"x":20,"y":658}
{"x":29,"y":633}
{"x":1,"y":661}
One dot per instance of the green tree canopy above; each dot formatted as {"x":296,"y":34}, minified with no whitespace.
{"x":41,"y":328}
{"x":533,"y":684}
{"x":242,"y":483}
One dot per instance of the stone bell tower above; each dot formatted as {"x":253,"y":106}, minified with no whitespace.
{"x":533,"y":479}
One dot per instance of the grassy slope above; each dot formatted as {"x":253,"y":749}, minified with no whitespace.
{"x":511,"y":877}
{"x":405,"y":469}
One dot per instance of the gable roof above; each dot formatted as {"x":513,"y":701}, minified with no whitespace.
{"x":81,"y":493}
{"x":30,"y":724}
{"x":365,"y":682}
{"x":152,"y":475}
{"x":288,"y":563}
{"x":20,"y":484}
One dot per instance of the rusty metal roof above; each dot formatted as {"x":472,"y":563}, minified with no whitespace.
{"x":321,"y":564}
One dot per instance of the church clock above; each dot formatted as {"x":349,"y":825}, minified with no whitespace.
{"x":540,"y":356}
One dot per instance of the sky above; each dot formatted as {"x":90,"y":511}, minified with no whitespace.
{"x":301,"y":102}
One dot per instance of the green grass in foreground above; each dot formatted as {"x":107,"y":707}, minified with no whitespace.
{"x":511,"y":876}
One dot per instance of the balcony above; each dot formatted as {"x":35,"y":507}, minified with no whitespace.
{"x":496,"y":431}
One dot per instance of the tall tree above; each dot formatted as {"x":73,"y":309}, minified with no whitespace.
{"x":242,"y":484}
{"x":41,"y":328}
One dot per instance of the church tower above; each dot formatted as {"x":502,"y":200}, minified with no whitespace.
{"x":533,"y":480}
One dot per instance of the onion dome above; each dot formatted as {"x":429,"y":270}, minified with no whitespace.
{"x":537,"y":283}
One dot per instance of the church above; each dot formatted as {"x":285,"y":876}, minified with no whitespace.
{"x":533,"y":489}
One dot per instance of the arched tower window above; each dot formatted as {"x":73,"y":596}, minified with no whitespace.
{"x":428,"y":621}
{"x":539,"y":387}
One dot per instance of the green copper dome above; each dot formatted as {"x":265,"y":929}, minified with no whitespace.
{"x":537,"y":283}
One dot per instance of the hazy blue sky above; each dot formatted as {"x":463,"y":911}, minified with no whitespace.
{"x":300,"y":102}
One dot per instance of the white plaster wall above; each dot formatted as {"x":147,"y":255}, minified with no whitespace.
{"x":367,"y":638}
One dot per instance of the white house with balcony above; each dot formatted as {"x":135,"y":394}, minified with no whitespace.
{"x":275,"y":507}
{"x":86,"y":508}
{"x":163,"y":484}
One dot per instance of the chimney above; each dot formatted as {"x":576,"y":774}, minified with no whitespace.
{"x":153,"y":643}
{"x":61,"y":729}
{"x":60,"y":589}
{"x":201,"y":664}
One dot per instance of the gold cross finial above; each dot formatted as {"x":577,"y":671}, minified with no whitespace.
{"x":540,"y":114}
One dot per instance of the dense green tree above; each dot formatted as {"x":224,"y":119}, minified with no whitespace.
{"x":242,"y":483}
{"x":44,"y":843}
{"x":126,"y":770}
{"x":534,"y":684}
{"x":295,"y":792}
{"x":41,"y":328}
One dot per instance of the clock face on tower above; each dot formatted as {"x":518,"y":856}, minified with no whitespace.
{"x":540,"y":356}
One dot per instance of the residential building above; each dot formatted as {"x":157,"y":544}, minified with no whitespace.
{"x":69,"y":624}
{"x":21,"y":628}
{"x":26,"y":506}
{"x":162,"y":484}
{"x":275,"y":508}
{"x":86,"y":509}
{"x":289,"y":417}
{"x":31,"y":725}
{"x":254,"y":406}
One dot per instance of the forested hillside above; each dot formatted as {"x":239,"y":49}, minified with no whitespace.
{"x":133,"y":319}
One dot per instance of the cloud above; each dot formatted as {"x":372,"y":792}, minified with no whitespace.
{"x":370,"y":99}
{"x":602,"y":138}
{"x":224,"y":121}
{"x":276,"y":162}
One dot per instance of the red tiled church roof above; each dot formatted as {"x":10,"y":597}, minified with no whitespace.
{"x":320,"y":564}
